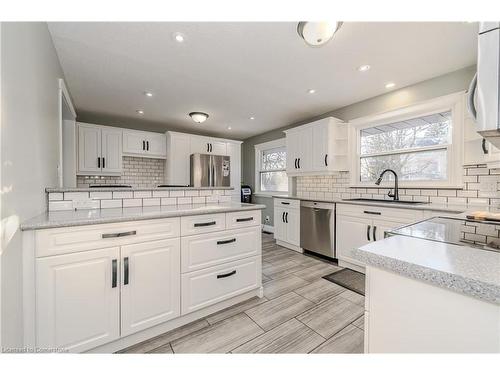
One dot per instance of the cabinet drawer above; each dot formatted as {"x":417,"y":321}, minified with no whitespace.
{"x":289,"y":203}
{"x":375,"y":212}
{"x":206,"y":287}
{"x":242,"y":219}
{"x":87,"y":237}
{"x":202,"y":224}
{"x":208,"y":250}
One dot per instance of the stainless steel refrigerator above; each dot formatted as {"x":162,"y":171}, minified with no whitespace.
{"x":210,"y":170}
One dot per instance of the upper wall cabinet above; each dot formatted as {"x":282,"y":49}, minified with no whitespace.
{"x":320,"y":146}
{"x":144,"y":144}
{"x":205,"y":145}
{"x":99,"y":150}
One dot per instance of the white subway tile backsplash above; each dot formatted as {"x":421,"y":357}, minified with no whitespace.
{"x":111,"y":203}
{"x":184,"y":200}
{"x":177,"y":193}
{"x":132,"y":202}
{"x":60,"y":205}
{"x":212,"y":199}
{"x":151,"y":201}
{"x":198,"y":200}
{"x":56,"y":196}
{"x":101,"y":195}
{"x":161,"y":194}
{"x":122,"y":194}
{"x":191,"y":193}
{"x":168,"y":201}
{"x":224,"y":198}
{"x":142,"y":194}
{"x":205,"y":193}
{"x":76,"y":196}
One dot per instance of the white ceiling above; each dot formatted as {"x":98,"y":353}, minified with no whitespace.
{"x":236,"y":70}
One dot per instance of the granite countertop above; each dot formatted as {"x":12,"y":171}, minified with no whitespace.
{"x":451,"y":208}
{"x":462,"y":269}
{"x":104,"y":188}
{"x":57,"y":219}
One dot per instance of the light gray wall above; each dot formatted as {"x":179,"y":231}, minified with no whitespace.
{"x":432,"y":88}
{"x":30,"y":71}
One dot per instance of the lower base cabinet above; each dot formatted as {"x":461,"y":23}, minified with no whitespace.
{"x":112,"y":283}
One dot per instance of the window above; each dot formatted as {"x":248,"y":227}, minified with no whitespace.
{"x":270,"y":167}
{"x":421,"y":144}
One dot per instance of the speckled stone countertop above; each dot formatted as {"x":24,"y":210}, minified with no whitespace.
{"x":104,"y":188}
{"x":451,"y":208}
{"x":462,"y":269}
{"x":57,"y":219}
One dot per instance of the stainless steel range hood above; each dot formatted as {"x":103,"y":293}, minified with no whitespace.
{"x":484,"y":98}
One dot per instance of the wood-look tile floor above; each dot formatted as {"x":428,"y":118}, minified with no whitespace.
{"x":299,"y":313}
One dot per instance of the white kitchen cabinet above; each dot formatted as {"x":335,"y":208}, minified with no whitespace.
{"x":78,"y":299}
{"x":144,"y":144}
{"x":150,"y":291}
{"x":178,"y":159}
{"x":287,"y":223}
{"x":234,"y":152}
{"x":99,"y":150}
{"x":320,"y":146}
{"x":358,"y":225}
{"x":206,"y":145}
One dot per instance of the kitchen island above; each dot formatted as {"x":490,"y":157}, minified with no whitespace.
{"x":105,"y":279}
{"x":425,"y":296}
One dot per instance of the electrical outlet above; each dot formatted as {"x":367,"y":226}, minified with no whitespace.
{"x":267,"y":219}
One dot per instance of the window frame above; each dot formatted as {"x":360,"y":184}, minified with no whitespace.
{"x":453,"y":102}
{"x":259,"y":149}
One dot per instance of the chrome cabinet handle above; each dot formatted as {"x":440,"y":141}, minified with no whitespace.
{"x":470,"y":97}
{"x":126,"y":271}
{"x":121,"y":234}
{"x":483,"y":146}
{"x":205,"y":224}
{"x":368,"y":232}
{"x":374,"y":233}
{"x":223,"y":242}
{"x":114,"y":273}
{"x":244,"y":219}
{"x":226,"y":274}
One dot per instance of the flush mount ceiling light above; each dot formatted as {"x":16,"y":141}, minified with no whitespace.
{"x":179,"y":37}
{"x":364,"y":68}
{"x":317,"y":33}
{"x":390,"y":85}
{"x":140,"y":112}
{"x":198,"y":117}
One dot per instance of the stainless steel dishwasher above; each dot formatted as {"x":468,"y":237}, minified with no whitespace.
{"x":317,"y":227}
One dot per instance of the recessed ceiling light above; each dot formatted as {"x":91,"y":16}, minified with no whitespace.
{"x":364,"y":68}
{"x":140,"y":111}
{"x":311,"y":91}
{"x":252,"y":118}
{"x":179,"y":37}
{"x":390,"y":85}
{"x":229,"y":128}
{"x":199,"y":117}
{"x":148,"y":94}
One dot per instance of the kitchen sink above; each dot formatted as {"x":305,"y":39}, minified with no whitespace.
{"x":368,"y":200}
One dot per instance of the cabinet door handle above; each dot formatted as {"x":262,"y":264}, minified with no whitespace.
{"x":147,"y":143}
{"x":103,"y":162}
{"x":126,"y":269}
{"x":98,"y":162}
{"x":226,"y":274}
{"x":205,"y":224}
{"x":121,"y":234}
{"x":286,"y":217}
{"x":244,"y":219}
{"x":368,"y":232}
{"x":483,"y":146}
{"x":295,"y":163}
{"x":374,"y":233}
{"x":283,"y":216}
{"x":144,"y":145}
{"x":298,"y":162}
{"x":287,"y":203}
{"x":224,"y":242}
{"x":326,"y":160}
{"x":114,"y":273}
{"x":208,"y":147}
{"x":211,"y":148}
{"x":372,"y":212}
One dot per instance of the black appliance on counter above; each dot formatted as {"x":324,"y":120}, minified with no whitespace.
{"x":246,"y":194}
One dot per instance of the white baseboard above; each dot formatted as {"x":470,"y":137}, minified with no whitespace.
{"x":267,"y":228}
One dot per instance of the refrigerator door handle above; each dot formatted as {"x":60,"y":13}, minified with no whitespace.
{"x":470,"y":97}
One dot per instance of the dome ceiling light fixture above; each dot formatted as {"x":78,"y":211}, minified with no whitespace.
{"x":316,"y":34}
{"x":198,"y":117}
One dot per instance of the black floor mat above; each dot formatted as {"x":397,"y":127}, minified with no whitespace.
{"x":349,"y":279}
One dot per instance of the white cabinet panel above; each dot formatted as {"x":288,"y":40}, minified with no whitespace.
{"x":207,"y":250}
{"x":202,"y":224}
{"x":242,"y":219}
{"x":144,"y":144}
{"x":292,"y":151}
{"x":279,"y":224}
{"x":200,"y":145}
{"x":292,"y":219}
{"x":89,"y":148}
{"x":234,"y":152}
{"x":217,"y":147}
{"x":352,"y":233}
{"x":150,"y":284}
{"x":78,"y":300}
{"x":209,"y":286}
{"x":157,"y":145}
{"x":111,"y":150}
{"x":133,"y":142}
{"x":287,"y":222}
{"x":178,"y":162}
{"x":321,"y":142}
